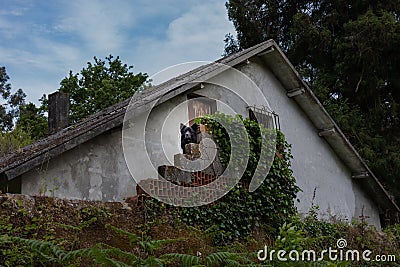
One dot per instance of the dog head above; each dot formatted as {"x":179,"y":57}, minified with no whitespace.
{"x":188,"y":135}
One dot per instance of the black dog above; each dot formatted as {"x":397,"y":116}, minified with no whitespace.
{"x":188,"y":135}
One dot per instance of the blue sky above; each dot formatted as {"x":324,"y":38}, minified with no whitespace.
{"x":41,"y":41}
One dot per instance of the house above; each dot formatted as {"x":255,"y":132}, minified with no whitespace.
{"x":87,"y":160}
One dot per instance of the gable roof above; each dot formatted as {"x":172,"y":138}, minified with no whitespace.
{"x":39,"y":152}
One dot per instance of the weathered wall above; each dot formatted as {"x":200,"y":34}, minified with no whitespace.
{"x":321,"y":175}
{"x":95,"y":170}
{"x":160,"y":132}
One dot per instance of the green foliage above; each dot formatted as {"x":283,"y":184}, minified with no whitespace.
{"x":14,"y":140}
{"x":41,"y":252}
{"x":292,"y":238}
{"x":319,"y":233}
{"x":231,"y":45}
{"x":241,"y":212}
{"x":32,"y":237}
{"x":347,"y":52}
{"x":20,"y":123}
{"x":44,"y":252}
{"x":12,"y":109}
{"x":259,"y":20}
{"x":185,"y":259}
{"x":88,"y":213}
{"x":315,"y":227}
{"x":33,"y":121}
{"x":132,"y":237}
{"x":214,"y":259}
{"x":100,"y":85}
{"x":9,"y":111}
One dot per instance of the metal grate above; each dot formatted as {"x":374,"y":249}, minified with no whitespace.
{"x":264,"y":116}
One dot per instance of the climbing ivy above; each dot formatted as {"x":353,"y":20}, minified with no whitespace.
{"x":240,"y":212}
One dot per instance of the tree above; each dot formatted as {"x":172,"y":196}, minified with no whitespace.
{"x":231,"y":45}
{"x":33,"y":121}
{"x":12,"y":137}
{"x":9,"y":111}
{"x":100,"y":85}
{"x":13,"y":140}
{"x":348,"y":52}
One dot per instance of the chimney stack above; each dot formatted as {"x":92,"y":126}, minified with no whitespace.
{"x":58,"y":111}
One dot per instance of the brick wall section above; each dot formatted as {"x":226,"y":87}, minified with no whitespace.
{"x":184,"y":193}
{"x":200,"y":178}
{"x":185,"y":178}
{"x":178,"y":186}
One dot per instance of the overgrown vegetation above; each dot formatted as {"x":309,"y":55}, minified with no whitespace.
{"x":43,"y":231}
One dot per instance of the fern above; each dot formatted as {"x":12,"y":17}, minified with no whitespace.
{"x":116,"y":252}
{"x":106,"y":255}
{"x":44,"y":248}
{"x":78,"y":253}
{"x":185,"y":259}
{"x":84,"y":224}
{"x":87,"y":223}
{"x":150,"y":261}
{"x":132,"y":237}
{"x":214,"y":259}
{"x":219,"y":257}
{"x":150,"y":246}
{"x":52,"y":253}
{"x":101,"y":257}
{"x":67,"y":226}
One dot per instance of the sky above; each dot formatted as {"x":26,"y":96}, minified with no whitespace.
{"x":41,"y":41}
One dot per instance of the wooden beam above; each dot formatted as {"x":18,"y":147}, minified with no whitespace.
{"x":361,"y":175}
{"x":295,"y":92}
{"x":326,"y":132}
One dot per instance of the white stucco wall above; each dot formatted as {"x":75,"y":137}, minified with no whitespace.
{"x":324,"y":179}
{"x":95,"y":170}
{"x":157,"y":137}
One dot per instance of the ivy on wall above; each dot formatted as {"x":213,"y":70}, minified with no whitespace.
{"x":240,"y":212}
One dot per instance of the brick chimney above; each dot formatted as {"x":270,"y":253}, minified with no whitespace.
{"x":58,"y":111}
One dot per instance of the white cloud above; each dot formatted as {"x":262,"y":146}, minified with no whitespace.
{"x":39,"y":72}
{"x":99,"y":25}
{"x":15,"y":8}
{"x":195,"y":35}
{"x":10,"y":30}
